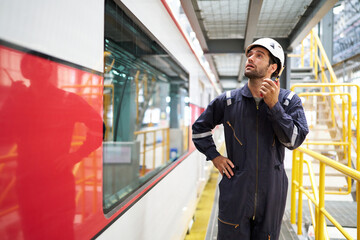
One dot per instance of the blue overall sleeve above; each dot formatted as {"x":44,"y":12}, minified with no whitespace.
{"x":203,"y":126}
{"x":290,"y":126}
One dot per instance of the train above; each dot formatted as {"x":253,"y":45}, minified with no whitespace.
{"x":97,"y":99}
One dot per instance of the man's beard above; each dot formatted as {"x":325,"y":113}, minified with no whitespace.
{"x":256,"y":73}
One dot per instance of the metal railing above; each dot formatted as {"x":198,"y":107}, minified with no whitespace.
{"x":320,"y":64}
{"x":331,"y":86}
{"x":318,"y":198}
{"x":339,"y":104}
{"x":345,"y":141}
{"x":164,"y":145}
{"x":319,"y":191}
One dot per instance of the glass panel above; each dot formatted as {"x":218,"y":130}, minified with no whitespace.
{"x":146,"y":112}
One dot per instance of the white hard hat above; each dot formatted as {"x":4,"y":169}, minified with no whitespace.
{"x":272,"y":46}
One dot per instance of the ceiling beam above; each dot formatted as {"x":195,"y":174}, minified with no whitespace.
{"x":313,"y":14}
{"x":192,"y":12}
{"x":228,"y":78}
{"x":221,"y":46}
{"x":250,"y":31}
{"x":252,"y":21}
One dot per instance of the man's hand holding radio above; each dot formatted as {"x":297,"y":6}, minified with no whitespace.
{"x":270,"y":91}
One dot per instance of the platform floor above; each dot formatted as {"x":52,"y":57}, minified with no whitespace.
{"x":205,"y":219}
{"x":287,"y":231}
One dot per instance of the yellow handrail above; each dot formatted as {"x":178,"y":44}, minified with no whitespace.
{"x":321,"y":65}
{"x":318,"y":201}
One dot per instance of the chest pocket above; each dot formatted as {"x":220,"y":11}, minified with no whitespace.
{"x":229,"y":118}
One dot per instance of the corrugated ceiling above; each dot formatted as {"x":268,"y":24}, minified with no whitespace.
{"x":232,"y":24}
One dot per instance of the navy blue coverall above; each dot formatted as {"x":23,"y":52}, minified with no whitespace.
{"x":252,"y":202}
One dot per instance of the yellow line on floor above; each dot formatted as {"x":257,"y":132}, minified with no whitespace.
{"x":203,"y":209}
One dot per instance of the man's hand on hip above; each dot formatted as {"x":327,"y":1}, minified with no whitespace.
{"x":224,"y":165}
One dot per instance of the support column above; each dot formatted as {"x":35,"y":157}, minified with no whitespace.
{"x":326,"y":34}
{"x":285,"y":76}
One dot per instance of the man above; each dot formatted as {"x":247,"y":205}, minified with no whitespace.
{"x":259,"y":119}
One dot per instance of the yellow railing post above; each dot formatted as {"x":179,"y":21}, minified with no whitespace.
{"x":300,"y":202}
{"x":293,"y":188}
{"x":358,"y":207}
{"x":358,"y":161}
{"x":321,"y":217}
{"x":344,"y":135}
{"x":358,"y":132}
{"x":349,"y":137}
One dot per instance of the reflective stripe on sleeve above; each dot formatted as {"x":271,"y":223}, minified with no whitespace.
{"x":294,"y":135}
{"x":288,"y":98}
{"x":293,"y":138}
{"x":201,"y":135}
{"x":228,"y":98}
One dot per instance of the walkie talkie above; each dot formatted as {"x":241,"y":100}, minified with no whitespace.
{"x":276,"y":80}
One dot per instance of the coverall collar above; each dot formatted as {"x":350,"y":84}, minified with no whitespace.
{"x":245,"y":91}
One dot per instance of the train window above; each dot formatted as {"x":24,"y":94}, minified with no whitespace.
{"x":146,"y":108}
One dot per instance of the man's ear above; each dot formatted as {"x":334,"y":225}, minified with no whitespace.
{"x":273,"y":68}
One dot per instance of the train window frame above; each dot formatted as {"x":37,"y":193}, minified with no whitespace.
{"x":173,"y":82}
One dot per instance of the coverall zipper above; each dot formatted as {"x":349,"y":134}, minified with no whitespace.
{"x":231,"y":224}
{"x":234,"y":132}
{"x":257,"y":158}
